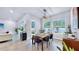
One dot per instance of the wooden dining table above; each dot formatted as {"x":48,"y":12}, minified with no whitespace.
{"x":42,"y":36}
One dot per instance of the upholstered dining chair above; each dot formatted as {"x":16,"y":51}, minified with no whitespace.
{"x":33,"y":37}
{"x":36,"y":39}
{"x":46,"y":39}
{"x":51,"y":36}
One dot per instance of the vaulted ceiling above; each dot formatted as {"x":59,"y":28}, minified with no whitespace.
{"x":15,"y":13}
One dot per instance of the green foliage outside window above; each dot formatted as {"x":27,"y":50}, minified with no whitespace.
{"x":47,"y":24}
{"x":59,"y":23}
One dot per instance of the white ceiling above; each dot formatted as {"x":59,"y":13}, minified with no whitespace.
{"x":15,"y":13}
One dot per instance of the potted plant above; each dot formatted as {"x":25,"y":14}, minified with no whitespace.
{"x":23,"y":35}
{"x":69,"y":29}
{"x":16,"y":30}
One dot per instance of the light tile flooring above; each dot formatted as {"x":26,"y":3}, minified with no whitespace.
{"x":27,"y":46}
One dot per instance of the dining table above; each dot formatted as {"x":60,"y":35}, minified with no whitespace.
{"x":42,"y":36}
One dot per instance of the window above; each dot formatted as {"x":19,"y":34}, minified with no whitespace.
{"x":33,"y":24}
{"x":47,"y":24}
{"x":1,"y":26}
{"x":33,"y":27}
{"x":59,"y":25}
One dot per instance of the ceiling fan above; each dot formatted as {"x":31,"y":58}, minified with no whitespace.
{"x":46,"y":15}
{"x":45,"y":11}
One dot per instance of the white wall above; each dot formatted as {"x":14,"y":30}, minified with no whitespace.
{"x":9,"y":25}
{"x":37,"y":25}
{"x":27,"y":25}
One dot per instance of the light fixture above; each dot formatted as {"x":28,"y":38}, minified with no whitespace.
{"x":45,"y":11}
{"x":11,"y":11}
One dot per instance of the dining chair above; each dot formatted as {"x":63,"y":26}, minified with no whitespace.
{"x":33,"y":37}
{"x":36,"y":39}
{"x":51,"y":36}
{"x":46,"y":39}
